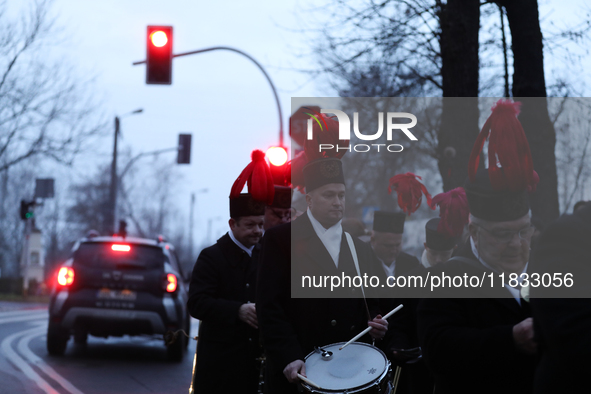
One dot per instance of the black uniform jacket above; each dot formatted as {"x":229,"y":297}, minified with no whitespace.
{"x":291,"y":327}
{"x":468,"y":342}
{"x":564,"y":324}
{"x":405,"y":264}
{"x":223,"y":279}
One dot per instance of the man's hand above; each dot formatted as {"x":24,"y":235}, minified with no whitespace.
{"x":523,"y":335}
{"x":292,"y":370}
{"x":379,"y":327}
{"x":406,"y":355}
{"x":248,"y":314}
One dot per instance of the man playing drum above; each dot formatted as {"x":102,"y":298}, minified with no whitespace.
{"x":315,"y":245}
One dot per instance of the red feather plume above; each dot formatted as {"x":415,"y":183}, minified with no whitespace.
{"x":258,"y":177}
{"x":510,"y":165}
{"x":453,"y":211}
{"x":410,"y":191}
{"x":329,"y":134}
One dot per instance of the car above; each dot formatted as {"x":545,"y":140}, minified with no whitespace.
{"x":115,"y":286}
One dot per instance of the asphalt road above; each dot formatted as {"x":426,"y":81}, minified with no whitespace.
{"x":127,"y":365}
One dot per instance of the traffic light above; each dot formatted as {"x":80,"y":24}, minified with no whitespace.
{"x":159,"y":55}
{"x":184,"y":153}
{"x":26,"y":209}
{"x":277,"y":156}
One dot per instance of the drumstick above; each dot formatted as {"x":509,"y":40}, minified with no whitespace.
{"x":362,"y":333}
{"x":311,"y":383}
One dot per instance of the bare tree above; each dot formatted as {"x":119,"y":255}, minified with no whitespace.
{"x":90,"y":202}
{"x":148,"y":197}
{"x":44,"y":109}
{"x":452,"y":49}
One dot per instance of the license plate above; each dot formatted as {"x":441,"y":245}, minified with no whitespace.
{"x":109,"y":294}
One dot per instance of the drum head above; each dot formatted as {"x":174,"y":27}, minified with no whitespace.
{"x":355,"y":366}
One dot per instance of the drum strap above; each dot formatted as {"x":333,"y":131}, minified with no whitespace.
{"x":356,"y":262}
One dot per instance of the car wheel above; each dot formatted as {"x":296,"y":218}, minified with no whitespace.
{"x":176,"y":350}
{"x":80,"y":337}
{"x":57,"y":339}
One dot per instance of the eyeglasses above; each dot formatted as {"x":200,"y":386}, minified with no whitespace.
{"x":282,"y":215}
{"x":507,"y":236}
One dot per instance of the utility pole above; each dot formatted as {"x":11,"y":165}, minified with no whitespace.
{"x":112,"y":214}
{"x":113,"y":189}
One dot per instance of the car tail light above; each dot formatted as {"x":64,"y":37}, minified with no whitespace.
{"x":65,"y":276}
{"x":120,"y":248}
{"x":171,"y":283}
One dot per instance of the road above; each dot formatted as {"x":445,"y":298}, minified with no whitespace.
{"x":127,"y":365}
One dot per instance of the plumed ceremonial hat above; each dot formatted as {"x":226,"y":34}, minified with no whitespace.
{"x":501,"y":192}
{"x":495,"y":205}
{"x":282,"y":198}
{"x":261,"y":191}
{"x":245,"y":205}
{"x":453,"y":211}
{"x":323,"y":165}
{"x":437,"y":240}
{"x":388,"y":222}
{"x":322,"y":172}
{"x":410,"y":191}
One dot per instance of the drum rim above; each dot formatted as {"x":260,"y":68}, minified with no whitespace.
{"x":354,"y":389}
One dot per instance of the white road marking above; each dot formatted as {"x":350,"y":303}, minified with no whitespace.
{"x":23,"y":348}
{"x":22,"y":364}
{"x":21,"y":312}
{"x":32,"y":358}
{"x":25,"y":317}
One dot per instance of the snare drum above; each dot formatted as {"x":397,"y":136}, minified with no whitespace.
{"x":358,"y":368}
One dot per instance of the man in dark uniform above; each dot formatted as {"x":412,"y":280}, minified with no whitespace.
{"x":314,"y":244}
{"x":482,"y":340}
{"x":563,"y":312}
{"x":221,"y":296}
{"x":279,"y":211}
{"x":476,"y":344}
{"x":386,"y":241}
{"x":403,"y":340}
{"x":438,"y":246}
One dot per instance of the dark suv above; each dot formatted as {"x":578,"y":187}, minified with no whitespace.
{"x":113,"y":286}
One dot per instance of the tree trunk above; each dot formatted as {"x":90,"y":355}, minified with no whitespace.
{"x":460,"y":23}
{"x":529,"y":87}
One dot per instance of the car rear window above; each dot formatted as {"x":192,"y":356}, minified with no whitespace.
{"x":102,"y":255}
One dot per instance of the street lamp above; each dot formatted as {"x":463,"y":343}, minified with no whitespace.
{"x":113,"y":190}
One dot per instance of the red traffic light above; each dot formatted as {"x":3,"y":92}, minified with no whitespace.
{"x":159,"y":55}
{"x":159,"y":38}
{"x":277,"y":155}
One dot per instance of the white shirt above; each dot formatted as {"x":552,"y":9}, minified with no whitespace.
{"x":330,"y":237}
{"x":425,"y":260}
{"x":388,"y":270}
{"x":247,"y":250}
{"x":515,"y":291}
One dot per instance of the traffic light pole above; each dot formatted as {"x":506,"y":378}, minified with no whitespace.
{"x":139,"y":156}
{"x":27,"y":257}
{"x":254,"y":61}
